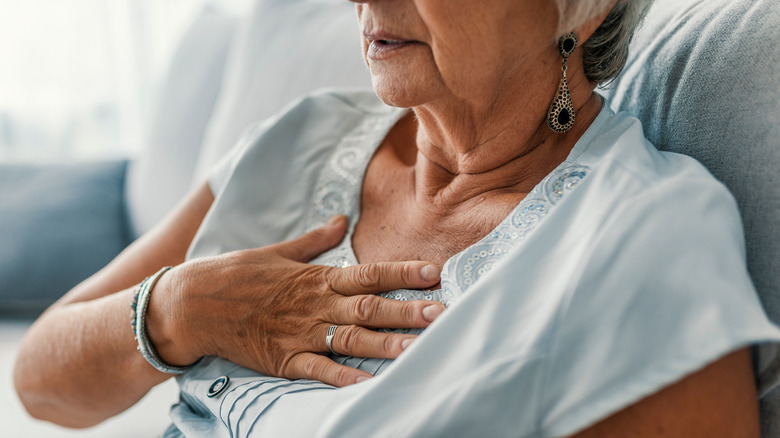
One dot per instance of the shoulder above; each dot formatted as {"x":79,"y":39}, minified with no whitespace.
{"x":277,"y":168}
{"x":327,"y":113}
{"x":620,"y":140}
{"x":307,"y":125}
{"x":661,"y":287}
{"x":630,"y":170}
{"x":313,"y":124}
{"x":318,"y":120}
{"x":657,"y":205}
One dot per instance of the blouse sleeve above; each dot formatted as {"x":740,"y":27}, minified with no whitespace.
{"x":220,"y":173}
{"x":661,"y":295}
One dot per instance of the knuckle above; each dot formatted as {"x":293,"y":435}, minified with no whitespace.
{"x":313,"y":277}
{"x":350,"y":338}
{"x":311,"y":367}
{"x":327,"y":307}
{"x":327,"y":276}
{"x":367,"y":275}
{"x":407,"y":273}
{"x":341,"y":376}
{"x":388,"y":345}
{"x":410,"y":311}
{"x":285,"y":366}
{"x":366,"y":308}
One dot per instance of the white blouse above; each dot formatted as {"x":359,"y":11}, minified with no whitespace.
{"x":620,"y":273}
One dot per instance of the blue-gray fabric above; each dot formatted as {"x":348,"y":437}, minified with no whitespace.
{"x":702,"y":77}
{"x":58,"y":225}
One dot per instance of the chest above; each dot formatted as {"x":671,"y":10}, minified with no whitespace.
{"x":395,"y":224}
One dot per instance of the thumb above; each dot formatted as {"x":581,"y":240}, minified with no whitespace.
{"x":315,"y":242}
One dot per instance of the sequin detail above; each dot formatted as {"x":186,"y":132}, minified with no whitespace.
{"x":468,"y":266}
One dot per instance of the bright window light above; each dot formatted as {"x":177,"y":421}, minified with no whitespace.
{"x":78,"y":78}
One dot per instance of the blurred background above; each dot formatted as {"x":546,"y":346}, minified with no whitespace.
{"x":80,"y":82}
{"x":110,"y":112}
{"x":79,"y":79}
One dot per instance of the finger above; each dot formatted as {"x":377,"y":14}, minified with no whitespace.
{"x":381,"y":277}
{"x":357,"y":341}
{"x":377,"y":312}
{"x":317,"y":367}
{"x":314,"y":242}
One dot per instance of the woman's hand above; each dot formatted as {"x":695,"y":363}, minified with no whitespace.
{"x":262,"y":308}
{"x":266,"y":309}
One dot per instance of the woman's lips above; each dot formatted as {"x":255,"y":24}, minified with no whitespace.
{"x":382,"y":47}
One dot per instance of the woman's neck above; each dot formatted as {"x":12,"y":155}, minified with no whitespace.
{"x":466,"y":151}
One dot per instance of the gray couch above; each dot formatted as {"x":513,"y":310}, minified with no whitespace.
{"x":701,"y":77}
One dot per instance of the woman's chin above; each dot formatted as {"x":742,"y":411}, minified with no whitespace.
{"x":401,"y":93}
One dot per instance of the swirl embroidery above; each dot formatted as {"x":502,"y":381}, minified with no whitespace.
{"x":466,"y":267}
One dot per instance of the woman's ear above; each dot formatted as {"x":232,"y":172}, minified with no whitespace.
{"x":586,"y":29}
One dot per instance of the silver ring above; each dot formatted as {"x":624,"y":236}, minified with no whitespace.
{"x":329,"y":337}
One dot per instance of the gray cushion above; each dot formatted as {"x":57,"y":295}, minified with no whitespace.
{"x":58,"y":225}
{"x":703,"y":79}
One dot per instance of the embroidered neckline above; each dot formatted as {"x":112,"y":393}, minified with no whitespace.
{"x":339,"y":191}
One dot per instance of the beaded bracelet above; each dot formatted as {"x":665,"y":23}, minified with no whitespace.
{"x":139,"y":306}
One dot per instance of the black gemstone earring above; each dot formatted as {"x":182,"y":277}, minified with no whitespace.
{"x":560,"y":116}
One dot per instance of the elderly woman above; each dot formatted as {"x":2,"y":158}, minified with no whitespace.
{"x":594,"y":286}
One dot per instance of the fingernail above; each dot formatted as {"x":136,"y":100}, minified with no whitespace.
{"x":361,"y":379}
{"x":431,"y":312}
{"x":406,"y":343}
{"x":430,"y":272}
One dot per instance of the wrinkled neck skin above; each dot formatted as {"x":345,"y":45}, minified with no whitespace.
{"x":499,"y":143}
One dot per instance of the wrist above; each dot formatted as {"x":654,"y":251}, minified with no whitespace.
{"x":163,"y":323}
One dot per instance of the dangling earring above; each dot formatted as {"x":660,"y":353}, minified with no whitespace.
{"x":560,"y":116}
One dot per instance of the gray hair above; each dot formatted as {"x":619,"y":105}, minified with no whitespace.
{"x":606,"y":51}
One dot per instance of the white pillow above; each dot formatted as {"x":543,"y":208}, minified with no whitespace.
{"x":287,"y":48}
{"x":161,"y":175}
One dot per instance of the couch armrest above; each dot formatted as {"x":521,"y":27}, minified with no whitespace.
{"x":58,"y":225}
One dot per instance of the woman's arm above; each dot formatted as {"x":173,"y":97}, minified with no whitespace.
{"x":717,"y":401}
{"x":78,"y":364}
